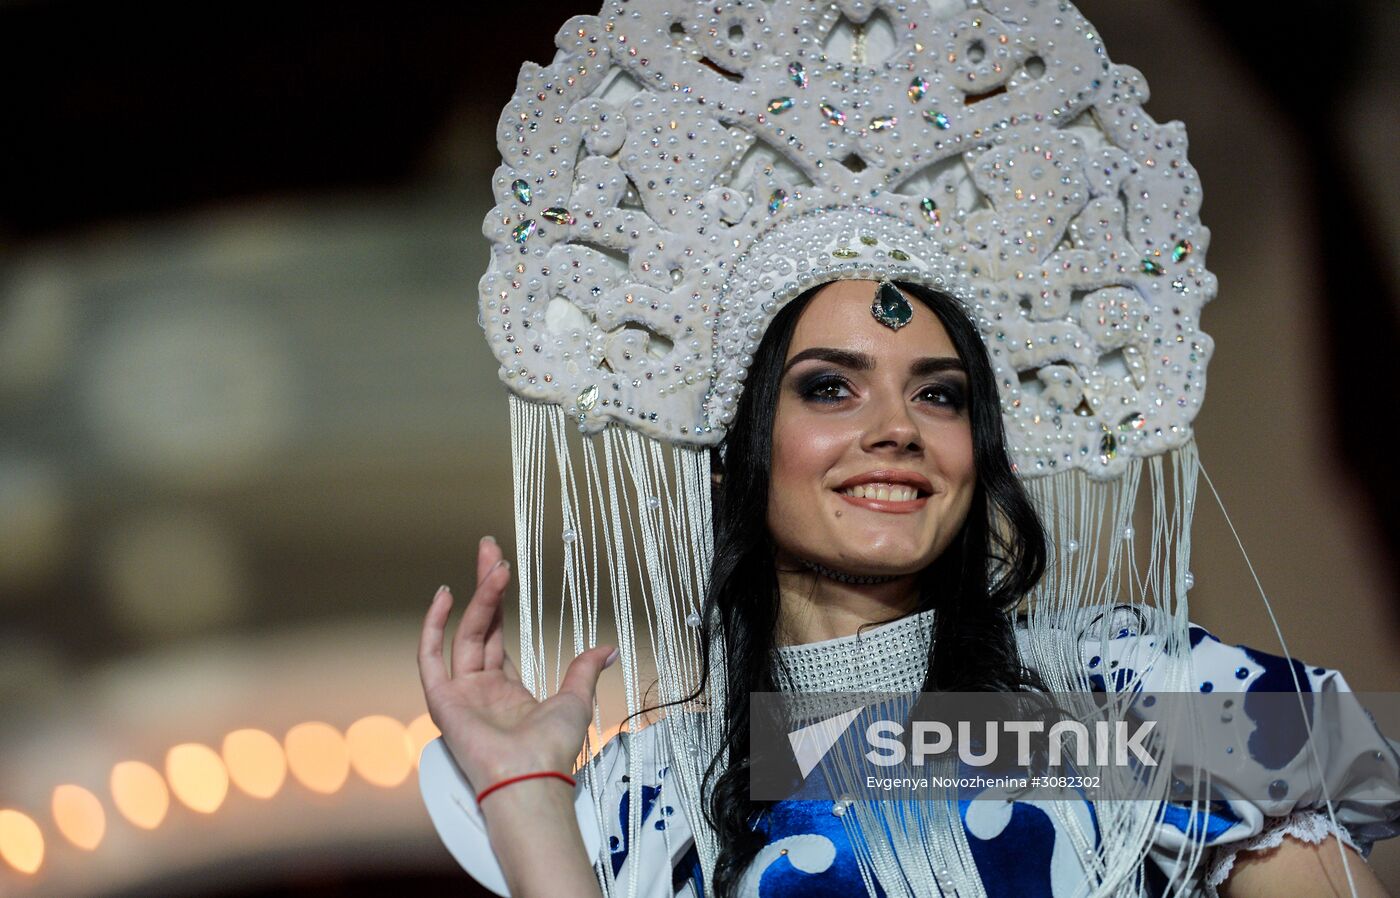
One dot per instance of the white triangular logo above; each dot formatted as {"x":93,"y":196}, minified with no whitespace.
{"x":811,"y":743}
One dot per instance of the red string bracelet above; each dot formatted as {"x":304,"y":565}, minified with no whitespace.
{"x":524,"y":776}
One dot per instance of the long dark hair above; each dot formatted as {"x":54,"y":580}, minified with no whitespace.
{"x":974,"y":585}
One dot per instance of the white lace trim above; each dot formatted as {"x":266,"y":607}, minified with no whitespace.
{"x":1313,"y":827}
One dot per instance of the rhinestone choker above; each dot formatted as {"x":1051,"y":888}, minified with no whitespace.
{"x":841,"y":577}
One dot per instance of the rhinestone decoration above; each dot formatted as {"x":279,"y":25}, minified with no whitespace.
{"x":687,"y":190}
{"x":890,"y":307}
{"x":938,"y":119}
{"x":522,"y":231}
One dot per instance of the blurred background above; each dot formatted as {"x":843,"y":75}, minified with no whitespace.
{"x":248,"y":423}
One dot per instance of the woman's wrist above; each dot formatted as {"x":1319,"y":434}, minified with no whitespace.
{"x":539,"y":794}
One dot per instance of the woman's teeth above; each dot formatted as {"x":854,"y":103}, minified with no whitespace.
{"x":890,"y":491}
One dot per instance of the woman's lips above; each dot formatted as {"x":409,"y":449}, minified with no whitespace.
{"x":886,"y":505}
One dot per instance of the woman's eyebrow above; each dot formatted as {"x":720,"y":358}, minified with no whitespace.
{"x":860,"y":361}
{"x":937,"y":364}
{"x":846,"y":358}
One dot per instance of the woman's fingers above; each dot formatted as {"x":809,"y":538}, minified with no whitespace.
{"x":493,"y":573}
{"x":581,"y":679}
{"x":495,"y":649}
{"x":432,"y":669}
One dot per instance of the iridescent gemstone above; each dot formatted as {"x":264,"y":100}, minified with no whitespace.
{"x":588,"y":398}
{"x":917,"y":88}
{"x":521,"y":232}
{"x":937,"y":119}
{"x":521,"y":190}
{"x":1108,"y":448}
{"x":899,"y":255}
{"x":1152,"y":268}
{"x":890,"y":307}
{"x":1181,"y":250}
{"x":779,"y":104}
{"x":930,"y":210}
{"x":868,"y":240}
{"x":846,"y":253}
{"x":1134,"y":421}
{"x":558,"y":215}
{"x":883,"y":122}
{"x":833,"y":115}
{"x":777,"y":200}
{"x":797,"y":73}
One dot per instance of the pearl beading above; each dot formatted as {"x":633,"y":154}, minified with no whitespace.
{"x":676,"y":175}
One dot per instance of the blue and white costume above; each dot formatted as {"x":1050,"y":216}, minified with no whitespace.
{"x":1018,"y":847}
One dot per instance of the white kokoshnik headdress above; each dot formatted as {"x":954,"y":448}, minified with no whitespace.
{"x":681,"y":171}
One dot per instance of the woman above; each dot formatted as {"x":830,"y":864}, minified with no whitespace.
{"x":866,"y":482}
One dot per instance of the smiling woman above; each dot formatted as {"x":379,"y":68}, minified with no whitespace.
{"x":922,"y":284}
{"x":841,"y":411}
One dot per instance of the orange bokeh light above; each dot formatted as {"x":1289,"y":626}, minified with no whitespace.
{"x":256,"y":762}
{"x":140,"y":794}
{"x":79,"y":816}
{"x":421,"y":731}
{"x":197,"y":776}
{"x":21,"y":843}
{"x":318,"y":756}
{"x":377,"y":750}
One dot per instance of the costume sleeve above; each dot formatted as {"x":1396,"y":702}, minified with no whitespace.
{"x":651,"y":857}
{"x":1293,"y":741}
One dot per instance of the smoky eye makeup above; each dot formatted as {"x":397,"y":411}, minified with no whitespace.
{"x":948,"y":392}
{"x":820,"y":385}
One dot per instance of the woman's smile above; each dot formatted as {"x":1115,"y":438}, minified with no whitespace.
{"x":892,"y":492}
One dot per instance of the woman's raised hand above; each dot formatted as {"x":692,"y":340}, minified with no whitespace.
{"x":491,"y":723}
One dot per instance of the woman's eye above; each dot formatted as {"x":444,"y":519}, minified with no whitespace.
{"x":945,"y":395}
{"x":824,"y":389}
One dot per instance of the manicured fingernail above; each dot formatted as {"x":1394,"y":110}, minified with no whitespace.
{"x":488,"y":539}
{"x":611,"y":658}
{"x":441,"y":591}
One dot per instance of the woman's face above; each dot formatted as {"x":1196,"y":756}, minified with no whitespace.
{"x":872,"y":444}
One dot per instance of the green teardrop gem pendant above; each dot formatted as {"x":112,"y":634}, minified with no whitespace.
{"x":890,"y":307}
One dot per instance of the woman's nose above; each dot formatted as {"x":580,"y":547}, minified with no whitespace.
{"x":892,"y":425}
